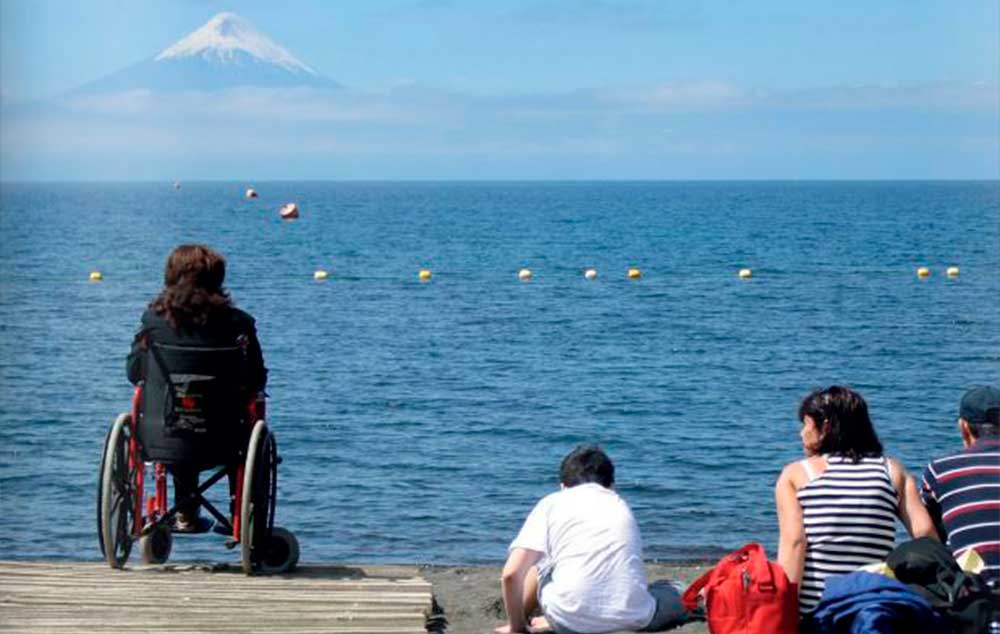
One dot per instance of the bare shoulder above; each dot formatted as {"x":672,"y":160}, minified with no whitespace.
{"x":898,"y":471}
{"x":793,"y":475}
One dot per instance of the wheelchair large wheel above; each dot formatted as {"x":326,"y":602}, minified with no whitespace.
{"x":100,"y":492}
{"x":260,"y":483}
{"x":117,"y":495}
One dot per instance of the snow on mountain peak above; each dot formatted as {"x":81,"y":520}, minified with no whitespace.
{"x":227,"y":34}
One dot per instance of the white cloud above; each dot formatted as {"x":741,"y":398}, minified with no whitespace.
{"x":710,"y":123}
{"x":677,"y":95}
{"x":412,"y":104}
{"x":935,"y":96}
{"x":273,"y":105}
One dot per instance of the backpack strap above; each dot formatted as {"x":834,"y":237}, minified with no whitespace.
{"x":690,"y":597}
{"x":953,"y":581}
{"x":165,"y":372}
{"x":757,"y":562}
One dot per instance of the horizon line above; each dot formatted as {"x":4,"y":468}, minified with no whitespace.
{"x":5,"y":181}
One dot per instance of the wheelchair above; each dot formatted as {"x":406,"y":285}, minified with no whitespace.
{"x":192,"y":414}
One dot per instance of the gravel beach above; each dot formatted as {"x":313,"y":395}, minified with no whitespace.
{"x":470,"y":595}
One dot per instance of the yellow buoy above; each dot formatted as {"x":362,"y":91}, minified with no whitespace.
{"x":524,"y":275}
{"x":634,"y":274}
{"x":424,"y":275}
{"x":745,"y":274}
{"x":590,"y":274}
{"x":923,"y":272}
{"x":320,"y":275}
{"x":952,"y":271}
{"x":96,"y":276}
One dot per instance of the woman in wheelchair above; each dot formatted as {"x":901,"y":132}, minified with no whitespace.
{"x":200,"y":363}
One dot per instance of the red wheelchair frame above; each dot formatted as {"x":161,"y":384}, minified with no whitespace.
{"x":124,"y":515}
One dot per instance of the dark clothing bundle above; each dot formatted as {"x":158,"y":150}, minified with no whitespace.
{"x":930,"y":570}
{"x":930,"y":594}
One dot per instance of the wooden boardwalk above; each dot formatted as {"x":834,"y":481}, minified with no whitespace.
{"x":91,"y":598}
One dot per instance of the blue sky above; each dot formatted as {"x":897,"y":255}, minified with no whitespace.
{"x":549,"y":89}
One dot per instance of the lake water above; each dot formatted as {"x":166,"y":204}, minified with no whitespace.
{"x":421,"y":421}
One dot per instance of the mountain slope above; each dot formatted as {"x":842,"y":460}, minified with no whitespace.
{"x":225,"y":52}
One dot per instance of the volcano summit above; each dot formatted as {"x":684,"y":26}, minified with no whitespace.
{"x":225,"y":52}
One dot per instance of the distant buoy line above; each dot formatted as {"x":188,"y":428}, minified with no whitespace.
{"x":525,"y":274}
{"x":590,"y":274}
{"x":291,"y":211}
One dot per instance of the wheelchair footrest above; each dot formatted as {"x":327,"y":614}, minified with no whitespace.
{"x":202,"y":525}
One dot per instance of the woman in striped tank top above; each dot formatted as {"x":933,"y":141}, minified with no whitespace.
{"x":837,"y":508}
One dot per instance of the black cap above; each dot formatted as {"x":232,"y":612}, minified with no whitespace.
{"x":981,"y":406}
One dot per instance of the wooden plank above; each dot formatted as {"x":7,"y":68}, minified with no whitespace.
{"x":62,"y":597}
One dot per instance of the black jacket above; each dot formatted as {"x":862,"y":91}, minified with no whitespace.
{"x":227,"y":329}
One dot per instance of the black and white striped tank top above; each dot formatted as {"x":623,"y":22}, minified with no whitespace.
{"x":849,"y":512}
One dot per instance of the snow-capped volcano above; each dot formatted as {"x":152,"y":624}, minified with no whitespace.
{"x":226,"y":38}
{"x":225,"y":52}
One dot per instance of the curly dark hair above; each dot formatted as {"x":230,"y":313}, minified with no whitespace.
{"x":192,"y":287}
{"x":849,"y":430}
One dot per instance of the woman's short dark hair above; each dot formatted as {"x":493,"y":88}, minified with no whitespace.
{"x":842,"y":416}
{"x":587,"y":463}
{"x":192,"y":286}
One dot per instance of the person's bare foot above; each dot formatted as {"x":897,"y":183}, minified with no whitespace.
{"x":539,"y":624}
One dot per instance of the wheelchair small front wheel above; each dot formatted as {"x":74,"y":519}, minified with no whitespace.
{"x":156,"y":544}
{"x":117,"y":492}
{"x":281,"y":552}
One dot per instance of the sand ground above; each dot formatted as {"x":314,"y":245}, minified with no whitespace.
{"x":470,"y":595}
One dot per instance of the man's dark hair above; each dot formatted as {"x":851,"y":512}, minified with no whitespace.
{"x":984,"y":431}
{"x":850,"y":431}
{"x":587,"y":463}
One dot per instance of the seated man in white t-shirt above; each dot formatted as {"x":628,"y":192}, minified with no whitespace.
{"x":579,"y":558}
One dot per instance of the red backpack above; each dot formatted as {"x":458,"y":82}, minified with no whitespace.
{"x":746,"y":594}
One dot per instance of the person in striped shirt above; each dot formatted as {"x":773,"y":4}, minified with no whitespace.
{"x":837,"y":508}
{"x":962,"y":490}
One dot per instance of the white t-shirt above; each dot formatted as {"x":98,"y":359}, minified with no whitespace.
{"x":592,"y":549}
